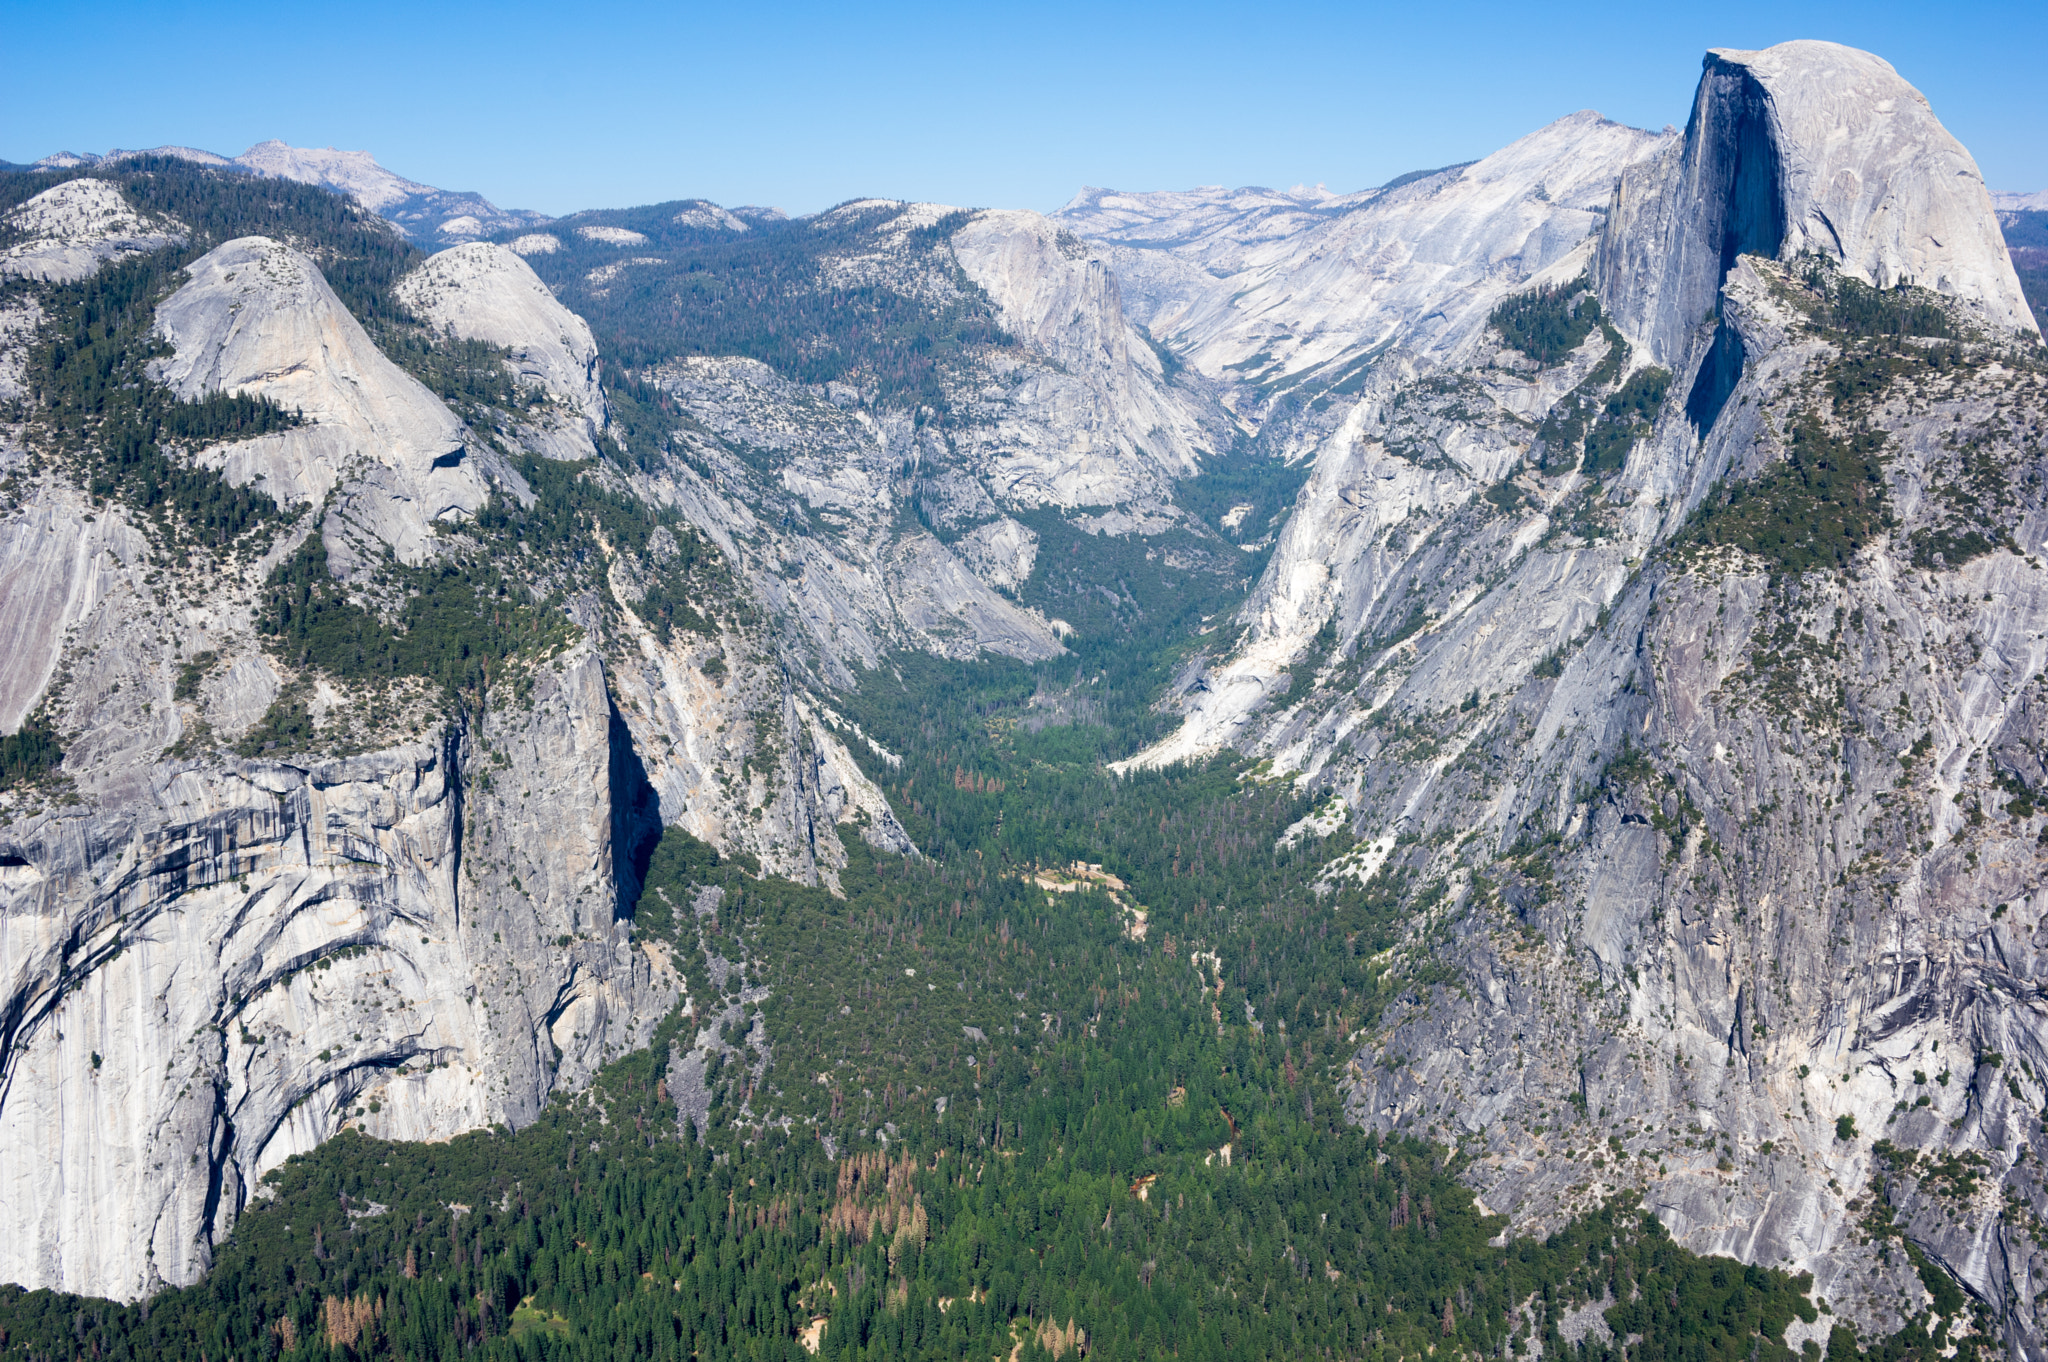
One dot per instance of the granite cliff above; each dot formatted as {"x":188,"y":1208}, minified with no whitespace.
{"x":289,"y":876}
{"x":1686,"y":668}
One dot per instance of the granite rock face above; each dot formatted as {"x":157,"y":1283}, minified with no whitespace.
{"x":71,"y":230}
{"x":1730,"y":845}
{"x":1098,"y":424}
{"x":411,"y":921}
{"x":229,"y":967}
{"x":1805,"y":147}
{"x":424,"y":213}
{"x":217,"y":951}
{"x":1733,"y":855}
{"x":258,"y":318}
{"x":488,"y":293}
{"x":817,"y":532}
{"x":1298,"y":293}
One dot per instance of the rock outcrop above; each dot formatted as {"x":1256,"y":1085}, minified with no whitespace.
{"x":422,"y":212}
{"x":70,"y":230}
{"x":1726,"y":832}
{"x":258,"y":318}
{"x":818,"y":533}
{"x":222,"y":972}
{"x":1807,"y":147}
{"x":487,"y":293}
{"x":1684,"y":683}
{"x":1098,"y":425}
{"x":1302,"y":294}
{"x":412,"y":916}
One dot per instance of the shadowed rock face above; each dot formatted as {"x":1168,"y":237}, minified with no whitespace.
{"x":226,"y":966}
{"x":1733,"y":873}
{"x":1727,"y":850}
{"x":1804,"y":147}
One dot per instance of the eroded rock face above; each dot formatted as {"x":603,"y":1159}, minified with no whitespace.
{"x":1803,"y":147}
{"x":258,"y":318}
{"x":818,"y":533}
{"x":1002,"y":553}
{"x":1733,"y":853}
{"x":209,"y":961}
{"x":51,"y":571}
{"x":428,"y":215}
{"x":486,"y":292}
{"x":1283,"y":293}
{"x":1100,"y":426}
{"x":224,"y":970}
{"x":218,"y":949}
{"x":74,"y":228}
{"x":424,"y":213}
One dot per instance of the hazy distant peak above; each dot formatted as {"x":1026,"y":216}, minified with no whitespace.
{"x":352,"y":172}
{"x":426,"y":214}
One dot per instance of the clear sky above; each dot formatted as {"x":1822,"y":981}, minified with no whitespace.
{"x":576,"y":104}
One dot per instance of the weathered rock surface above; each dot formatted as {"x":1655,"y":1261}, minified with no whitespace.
{"x":711,"y":218}
{"x":1002,"y":553}
{"x":1087,"y":429}
{"x":210,"y":961}
{"x":259,"y":318}
{"x":487,"y":293}
{"x":1721,"y":853}
{"x":818,"y":534}
{"x":1804,"y":147}
{"x":48,"y":579}
{"x":1737,"y":862}
{"x":421,"y":211}
{"x":1303,"y":290}
{"x":19,"y":322}
{"x":233,"y":937}
{"x":226,"y":969}
{"x":72,"y":229}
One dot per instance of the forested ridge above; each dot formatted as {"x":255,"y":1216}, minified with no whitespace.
{"x":773,"y":293}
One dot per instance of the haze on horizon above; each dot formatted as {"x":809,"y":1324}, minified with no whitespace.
{"x":801,"y":106}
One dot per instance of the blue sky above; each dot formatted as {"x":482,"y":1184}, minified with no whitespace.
{"x":563,"y":106}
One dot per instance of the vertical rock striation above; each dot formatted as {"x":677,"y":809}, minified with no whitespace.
{"x":1702,"y":738}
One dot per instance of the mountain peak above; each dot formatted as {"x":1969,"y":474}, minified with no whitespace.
{"x":430,"y":216}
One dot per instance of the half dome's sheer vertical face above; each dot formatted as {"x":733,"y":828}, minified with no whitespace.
{"x":1803,"y":147}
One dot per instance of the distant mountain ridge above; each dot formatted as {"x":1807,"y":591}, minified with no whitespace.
{"x":429,"y":216}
